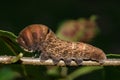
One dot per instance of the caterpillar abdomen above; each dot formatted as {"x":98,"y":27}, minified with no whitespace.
{"x":40,"y":38}
{"x":68,"y":52}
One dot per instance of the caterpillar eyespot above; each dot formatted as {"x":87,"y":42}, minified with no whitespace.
{"x":38,"y":37}
{"x":30,"y":37}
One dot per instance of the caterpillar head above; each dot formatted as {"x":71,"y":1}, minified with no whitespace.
{"x":31,"y":37}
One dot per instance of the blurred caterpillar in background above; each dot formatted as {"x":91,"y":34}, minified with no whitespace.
{"x":38,"y":37}
{"x":82,"y":29}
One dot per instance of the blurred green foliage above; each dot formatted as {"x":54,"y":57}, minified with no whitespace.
{"x":8,"y":74}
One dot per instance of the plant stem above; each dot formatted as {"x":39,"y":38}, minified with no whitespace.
{"x":36,"y":61}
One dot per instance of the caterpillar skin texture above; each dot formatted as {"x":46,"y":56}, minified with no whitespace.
{"x":39,"y":37}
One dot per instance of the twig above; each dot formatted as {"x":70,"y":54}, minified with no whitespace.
{"x":36,"y":61}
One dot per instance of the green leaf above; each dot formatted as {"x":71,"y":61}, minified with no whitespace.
{"x":82,"y":71}
{"x":8,"y":74}
{"x":17,"y":58}
{"x":8,"y":34}
{"x":8,"y":43}
{"x":53,"y":71}
{"x":113,"y":55}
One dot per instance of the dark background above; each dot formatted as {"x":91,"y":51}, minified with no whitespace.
{"x":15,"y":15}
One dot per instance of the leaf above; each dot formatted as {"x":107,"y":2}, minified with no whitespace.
{"x":8,"y":74}
{"x":82,"y":71}
{"x":113,"y":55}
{"x":53,"y":71}
{"x":8,"y":34}
{"x":8,"y":43}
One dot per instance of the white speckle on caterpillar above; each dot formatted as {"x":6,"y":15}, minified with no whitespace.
{"x":39,"y":37}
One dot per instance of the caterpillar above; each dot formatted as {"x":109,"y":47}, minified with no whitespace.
{"x":38,"y":37}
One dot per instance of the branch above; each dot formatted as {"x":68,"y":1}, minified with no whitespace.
{"x":36,"y":61}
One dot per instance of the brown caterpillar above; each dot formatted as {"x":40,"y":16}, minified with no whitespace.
{"x":39,"y":37}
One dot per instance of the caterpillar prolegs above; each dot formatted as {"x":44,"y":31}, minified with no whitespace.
{"x":38,"y":37}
